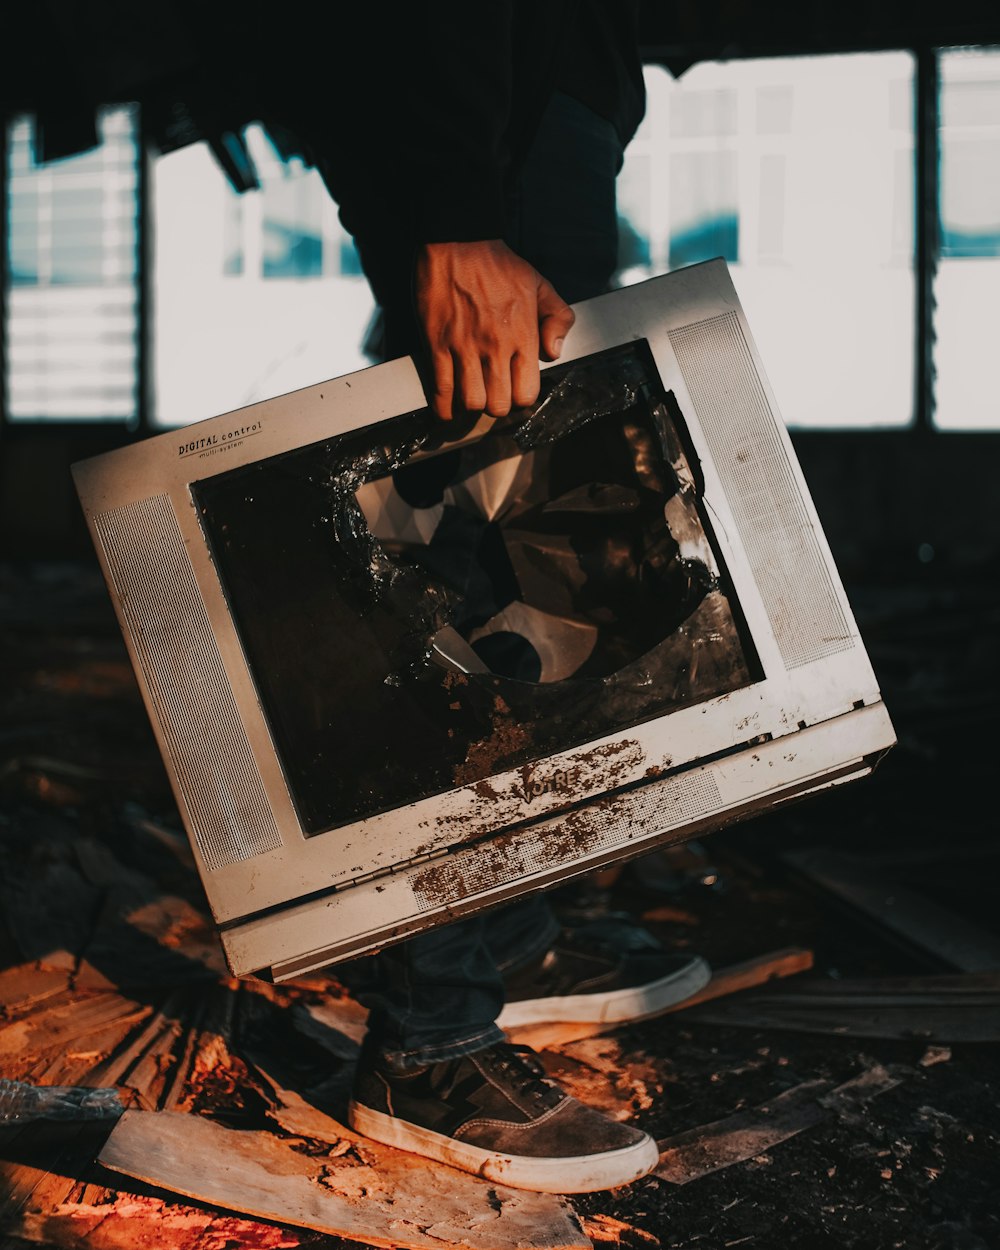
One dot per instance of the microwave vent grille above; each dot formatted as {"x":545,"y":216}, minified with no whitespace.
{"x":166,"y":621}
{"x":752,"y":461}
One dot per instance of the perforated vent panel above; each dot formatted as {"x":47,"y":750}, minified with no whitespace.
{"x":752,"y":461}
{"x":516,"y":856}
{"x":228,"y":812}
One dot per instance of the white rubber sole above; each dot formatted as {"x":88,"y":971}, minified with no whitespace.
{"x":617,"y":1006}
{"x":578,"y":1174}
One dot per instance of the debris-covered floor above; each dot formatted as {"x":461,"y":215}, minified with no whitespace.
{"x":851,"y":1101}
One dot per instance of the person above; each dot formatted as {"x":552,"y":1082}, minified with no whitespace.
{"x":479,"y":186}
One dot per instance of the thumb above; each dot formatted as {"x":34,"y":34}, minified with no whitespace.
{"x":555,"y":317}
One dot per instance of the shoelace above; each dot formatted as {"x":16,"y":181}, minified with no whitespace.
{"x":522,"y":1067}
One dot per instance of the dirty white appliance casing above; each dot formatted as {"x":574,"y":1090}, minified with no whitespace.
{"x":285,"y":902}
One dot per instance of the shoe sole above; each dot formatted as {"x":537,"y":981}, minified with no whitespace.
{"x":577,"y":1174}
{"x":615,"y":1007}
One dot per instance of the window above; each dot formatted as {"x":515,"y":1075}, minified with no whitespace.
{"x":967,"y":289}
{"x":72,"y":298}
{"x":254,"y":294}
{"x":805,"y":188}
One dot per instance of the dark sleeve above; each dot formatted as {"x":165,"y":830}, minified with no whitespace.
{"x":454,"y":117}
{"x":416,"y":113}
{"x":407,"y":117}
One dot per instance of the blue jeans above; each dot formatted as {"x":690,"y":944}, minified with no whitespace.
{"x":437,"y":995}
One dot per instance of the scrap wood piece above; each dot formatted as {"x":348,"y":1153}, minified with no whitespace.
{"x":76,"y":1063}
{"x":148,"y":1075}
{"x":922,"y":922}
{"x":134,"y":1220}
{"x":951,"y":1007}
{"x":67,"y":1021}
{"x":119,"y":1068}
{"x":595,"y":1071}
{"x":23,"y":986}
{"x":608,"y":1228}
{"x":257,"y":1174}
{"x":700,"y":1151}
{"x":747,"y":975}
{"x":182,"y":1046}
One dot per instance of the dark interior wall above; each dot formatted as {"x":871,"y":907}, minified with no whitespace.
{"x":900,"y":505}
{"x":681,"y":32}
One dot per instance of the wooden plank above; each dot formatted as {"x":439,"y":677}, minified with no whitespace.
{"x":149,"y":1075}
{"x":700,"y":1151}
{"x":54,"y":1029}
{"x":212,"y":1061}
{"x":958,"y":1007}
{"x":132,"y":1221}
{"x":175,"y":1088}
{"x":919,"y":920}
{"x":259,"y":1175}
{"x":112,"y":1070}
{"x":747,"y":975}
{"x":25,"y":985}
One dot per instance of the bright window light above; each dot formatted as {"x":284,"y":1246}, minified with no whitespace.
{"x":799,"y":172}
{"x":72,"y":301}
{"x":967,"y":289}
{"x":254,"y":294}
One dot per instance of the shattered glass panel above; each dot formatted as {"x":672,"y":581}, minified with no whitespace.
{"x":420,"y":613}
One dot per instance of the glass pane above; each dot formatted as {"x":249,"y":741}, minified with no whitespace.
{"x":255,"y":294}
{"x":72,"y":308}
{"x":480,"y":603}
{"x":967,"y":289}
{"x":799,"y":172}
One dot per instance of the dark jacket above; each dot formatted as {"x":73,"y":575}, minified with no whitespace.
{"x":418,"y":127}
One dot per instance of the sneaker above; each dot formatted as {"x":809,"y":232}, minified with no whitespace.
{"x":601,"y":982}
{"x":496,"y":1114}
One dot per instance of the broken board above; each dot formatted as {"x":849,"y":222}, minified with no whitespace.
{"x":354,"y":1194}
{"x":700,"y":1151}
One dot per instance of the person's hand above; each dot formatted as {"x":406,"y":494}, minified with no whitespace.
{"x":487,"y":317}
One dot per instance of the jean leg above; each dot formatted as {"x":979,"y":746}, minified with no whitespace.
{"x":520,"y":931}
{"x":435,"y":996}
